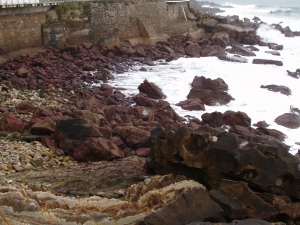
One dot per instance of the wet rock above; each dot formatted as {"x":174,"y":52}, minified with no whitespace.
{"x":273,"y":53}
{"x":213,"y":119}
{"x":209,"y":84}
{"x":262,"y":124}
{"x":209,"y":25}
{"x":234,"y":58}
{"x":271,"y":132}
{"x":193,"y":50}
{"x":288,"y":120}
{"x":210,"y":97}
{"x":191,"y":104}
{"x":88,"y":67}
{"x":232,"y":118}
{"x":275,"y":47}
{"x":267,"y":61}
{"x":251,"y":39}
{"x":278,"y":88}
{"x":221,"y":39}
{"x":243,"y":130}
{"x":151,"y":90}
{"x":11,"y":123}
{"x":142,"y":99}
{"x":294,"y":74}
{"x":215,"y":50}
{"x":234,"y":31}
{"x":241,"y":51}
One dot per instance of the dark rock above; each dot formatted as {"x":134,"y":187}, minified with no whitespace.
{"x":234,"y":31}
{"x":294,"y":74}
{"x":251,"y":39}
{"x":210,"y":97}
{"x":288,"y":120}
{"x":275,"y":47}
{"x":209,"y":51}
{"x":241,"y":51}
{"x":198,"y":206}
{"x":88,"y":67}
{"x":210,"y":156}
{"x":151,"y":90}
{"x":267,"y":61}
{"x":232,"y":118}
{"x":76,"y":137}
{"x":243,"y":130}
{"x":142,"y":99}
{"x":191,"y":104}
{"x":135,"y":137}
{"x":209,"y":25}
{"x":273,"y":53}
{"x":288,"y":32}
{"x":193,"y":50}
{"x":235,"y":58}
{"x":213,"y":119}
{"x":271,"y":132}
{"x":231,"y":206}
{"x":262,"y":124}
{"x":209,"y":84}
{"x":221,"y":39}
{"x":278,"y":88}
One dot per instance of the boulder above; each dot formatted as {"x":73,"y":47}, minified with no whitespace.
{"x":241,"y":51}
{"x":278,"y":88}
{"x":271,"y":132}
{"x":288,"y":120}
{"x":213,"y":119}
{"x":273,"y":53}
{"x":210,"y":97}
{"x":88,"y":67}
{"x":209,"y":25}
{"x":275,"y":47}
{"x":262,"y":124}
{"x":221,"y":39}
{"x":82,"y":141}
{"x":143,"y":152}
{"x":232,"y":118}
{"x":25,"y":107}
{"x":214,"y":50}
{"x":234,"y":31}
{"x":134,"y":137}
{"x":267,"y":61}
{"x":251,"y":39}
{"x":209,"y":156}
{"x":209,"y":84}
{"x":191,"y":104}
{"x":142,"y":99}
{"x":193,"y":50}
{"x":43,"y":127}
{"x":151,"y":90}
{"x":11,"y":123}
{"x":294,"y":74}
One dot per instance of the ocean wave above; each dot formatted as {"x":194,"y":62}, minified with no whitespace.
{"x":286,"y":12}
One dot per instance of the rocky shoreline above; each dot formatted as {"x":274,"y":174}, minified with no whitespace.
{"x":75,"y":150}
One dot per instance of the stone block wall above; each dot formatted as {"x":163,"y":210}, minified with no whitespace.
{"x":21,"y":31}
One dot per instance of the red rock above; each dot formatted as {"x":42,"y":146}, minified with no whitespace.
{"x":192,"y":104}
{"x":25,"y":108}
{"x":10,"y":123}
{"x":209,"y":84}
{"x":50,"y":143}
{"x":151,"y":90}
{"x":143,"y":152}
{"x":88,"y":67}
{"x":193,"y":50}
{"x":213,"y":119}
{"x":135,"y":137}
{"x":43,"y":127}
{"x":142,"y":99}
{"x":232,"y":118}
{"x":22,"y":72}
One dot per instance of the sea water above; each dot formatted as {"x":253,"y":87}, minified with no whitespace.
{"x":244,"y":79}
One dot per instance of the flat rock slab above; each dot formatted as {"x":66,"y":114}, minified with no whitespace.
{"x":267,"y":61}
{"x":87,"y":178}
{"x":288,"y":120}
{"x":278,"y":88}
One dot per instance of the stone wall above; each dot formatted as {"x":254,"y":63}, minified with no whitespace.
{"x":21,"y":31}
